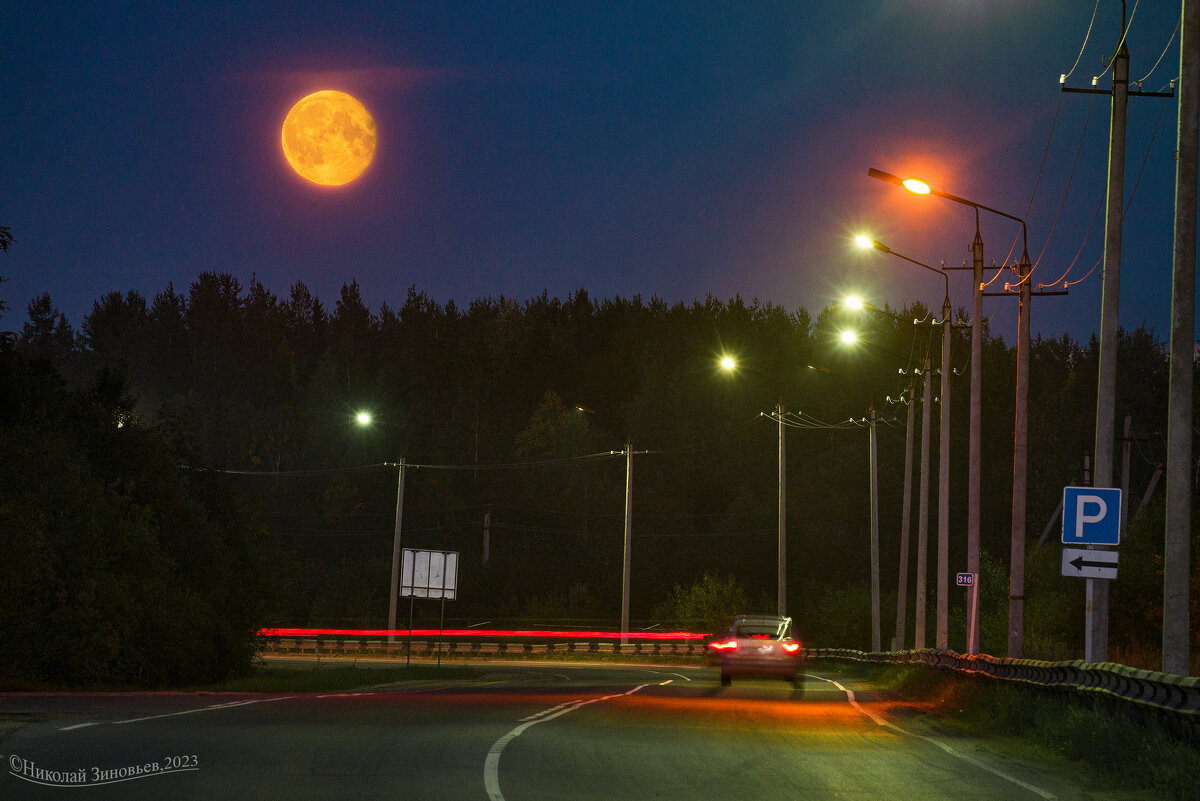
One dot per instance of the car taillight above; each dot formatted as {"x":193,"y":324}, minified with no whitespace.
{"x":791,"y":647}
{"x":728,"y":645}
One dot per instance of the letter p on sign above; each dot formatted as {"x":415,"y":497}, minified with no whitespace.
{"x":1082,"y":518}
{"x":1091,"y":516}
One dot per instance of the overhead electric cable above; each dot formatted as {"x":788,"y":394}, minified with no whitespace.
{"x":1083,"y":47}
{"x":1062,"y":278}
{"x":1163,"y":53}
{"x":1066,"y":190}
{"x":1120,"y":43}
{"x":1132,"y":194}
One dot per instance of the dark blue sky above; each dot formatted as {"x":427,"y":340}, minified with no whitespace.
{"x":670,"y":149}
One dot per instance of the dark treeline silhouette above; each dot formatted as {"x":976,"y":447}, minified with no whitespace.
{"x":513,"y":417}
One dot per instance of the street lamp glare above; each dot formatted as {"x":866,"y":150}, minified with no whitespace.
{"x":853,"y":302}
{"x":849,"y":337}
{"x":728,"y":364}
{"x":862,"y":240}
{"x":916,"y":186}
{"x":363,"y":418}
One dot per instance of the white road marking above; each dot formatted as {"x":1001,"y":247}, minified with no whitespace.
{"x":78,"y":726}
{"x":491,"y":765}
{"x":204,"y":709}
{"x":944,"y":746}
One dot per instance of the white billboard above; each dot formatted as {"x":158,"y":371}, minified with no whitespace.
{"x":428,"y":574}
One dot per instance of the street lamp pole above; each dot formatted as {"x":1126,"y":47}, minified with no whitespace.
{"x":943,"y":558}
{"x":1020,"y":431}
{"x":730,"y":365}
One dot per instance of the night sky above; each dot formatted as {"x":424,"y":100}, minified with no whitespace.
{"x":653,"y":148}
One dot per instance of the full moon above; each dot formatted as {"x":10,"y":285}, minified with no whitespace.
{"x":329,"y":138}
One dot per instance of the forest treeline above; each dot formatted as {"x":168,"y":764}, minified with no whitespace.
{"x":218,"y":425}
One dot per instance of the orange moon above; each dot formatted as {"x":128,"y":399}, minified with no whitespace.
{"x":329,"y":138}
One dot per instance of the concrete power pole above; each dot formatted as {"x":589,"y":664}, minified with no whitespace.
{"x":974,"y":448}
{"x":626,"y":562}
{"x":1096,"y":626}
{"x":905,"y":524}
{"x":943,"y":557}
{"x":1016,"y":577}
{"x":396,"y":555}
{"x":781,"y":600}
{"x":1176,"y":553}
{"x":876,"y":644}
{"x":923,"y":515}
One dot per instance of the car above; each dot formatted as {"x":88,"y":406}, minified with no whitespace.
{"x":759,"y":645}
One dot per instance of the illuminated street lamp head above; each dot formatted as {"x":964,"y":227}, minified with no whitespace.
{"x":864,"y":241}
{"x":914,"y":185}
{"x":363,"y":418}
{"x":853,"y":302}
{"x":848,"y":337}
{"x":728,"y":364}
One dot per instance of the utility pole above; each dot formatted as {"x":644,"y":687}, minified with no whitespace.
{"x":905,"y":524}
{"x":1176,"y":552}
{"x":1016,"y":576}
{"x":1096,"y":626}
{"x":943,"y":558}
{"x":876,"y":645}
{"x":396,"y":555}
{"x":923,"y":515}
{"x":628,"y":532}
{"x":1097,"y":616}
{"x":974,"y":452}
{"x":782,"y":568}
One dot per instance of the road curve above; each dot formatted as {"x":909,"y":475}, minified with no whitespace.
{"x":513,"y":732}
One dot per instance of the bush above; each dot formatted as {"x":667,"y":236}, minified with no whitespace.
{"x":705,"y":606}
{"x":121,"y":568}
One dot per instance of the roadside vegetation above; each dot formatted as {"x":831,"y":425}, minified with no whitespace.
{"x":1124,"y":746}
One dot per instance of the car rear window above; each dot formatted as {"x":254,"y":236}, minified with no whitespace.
{"x":757,"y":632}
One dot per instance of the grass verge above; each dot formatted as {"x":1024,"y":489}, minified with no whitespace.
{"x":1123,"y":745}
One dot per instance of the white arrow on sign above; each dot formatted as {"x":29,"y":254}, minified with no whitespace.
{"x":1089,"y":564}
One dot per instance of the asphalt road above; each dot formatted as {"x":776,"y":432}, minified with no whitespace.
{"x":516,"y":732}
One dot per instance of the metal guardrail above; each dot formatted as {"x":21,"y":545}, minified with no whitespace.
{"x":454,"y":647}
{"x":1160,"y":691}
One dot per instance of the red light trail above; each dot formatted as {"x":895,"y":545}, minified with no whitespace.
{"x":483,"y":633}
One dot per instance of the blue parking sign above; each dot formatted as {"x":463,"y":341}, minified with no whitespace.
{"x":1091,"y":516}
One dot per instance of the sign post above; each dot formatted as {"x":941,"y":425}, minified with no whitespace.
{"x":1089,"y":564}
{"x":1092,"y":517}
{"x":971,"y":582}
{"x":428,"y":574}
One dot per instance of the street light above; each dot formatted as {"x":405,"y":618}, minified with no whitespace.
{"x":854,"y":302}
{"x":363,"y":418}
{"x":1016,"y":590}
{"x":729,"y":364}
{"x":943,"y":599}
